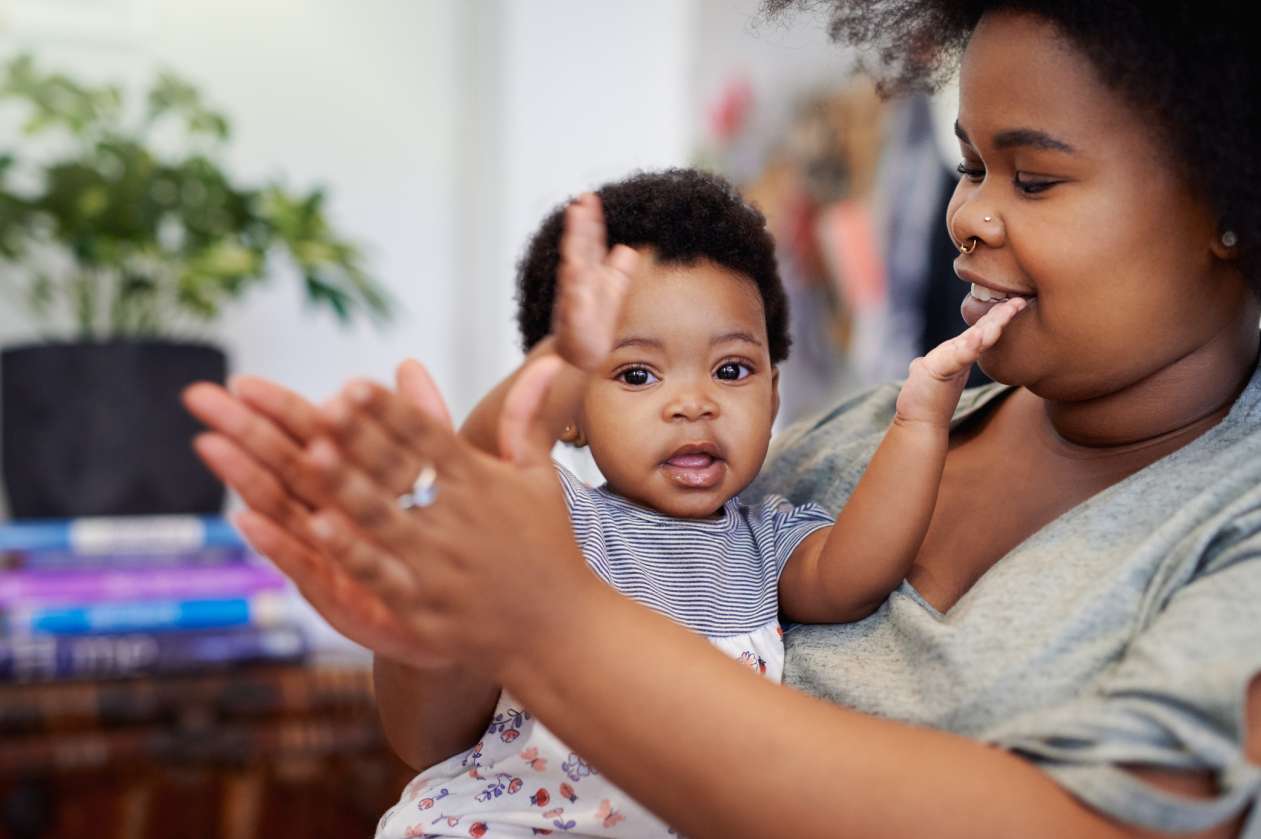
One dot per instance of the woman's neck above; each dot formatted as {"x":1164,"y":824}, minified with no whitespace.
{"x":1178,"y":402}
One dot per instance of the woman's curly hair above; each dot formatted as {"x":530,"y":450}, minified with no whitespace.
{"x":1192,"y":66}
{"x":685,"y":216}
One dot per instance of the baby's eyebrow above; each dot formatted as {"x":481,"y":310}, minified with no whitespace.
{"x":637,"y":341}
{"x":746,"y":337}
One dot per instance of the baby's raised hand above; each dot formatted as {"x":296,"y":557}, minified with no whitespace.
{"x":936,"y":380}
{"x":591,"y":285}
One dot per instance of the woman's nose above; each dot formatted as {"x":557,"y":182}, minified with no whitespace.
{"x":974,"y":219}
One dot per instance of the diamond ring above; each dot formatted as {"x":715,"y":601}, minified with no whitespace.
{"x":423,"y":492}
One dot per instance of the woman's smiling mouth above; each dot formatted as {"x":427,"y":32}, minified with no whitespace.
{"x":983,"y":296}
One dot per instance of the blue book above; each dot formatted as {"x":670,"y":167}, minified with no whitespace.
{"x":46,"y":657}
{"x":266,"y":609}
{"x":123,"y":534}
{"x":55,"y":560}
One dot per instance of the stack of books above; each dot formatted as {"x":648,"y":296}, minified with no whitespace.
{"x":139,"y":596}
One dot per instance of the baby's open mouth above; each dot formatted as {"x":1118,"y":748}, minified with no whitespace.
{"x":695,"y":466}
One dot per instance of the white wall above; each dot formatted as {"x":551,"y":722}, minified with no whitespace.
{"x":577,"y":93}
{"x":444,"y":130}
{"x":357,"y":96}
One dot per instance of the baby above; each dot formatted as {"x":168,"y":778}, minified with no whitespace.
{"x":669,"y":345}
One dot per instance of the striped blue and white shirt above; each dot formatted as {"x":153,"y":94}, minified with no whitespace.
{"x":718,"y":577}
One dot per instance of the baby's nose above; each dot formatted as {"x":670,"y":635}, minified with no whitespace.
{"x":691,"y":406}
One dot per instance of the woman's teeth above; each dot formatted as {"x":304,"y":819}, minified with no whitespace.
{"x":980,"y":292}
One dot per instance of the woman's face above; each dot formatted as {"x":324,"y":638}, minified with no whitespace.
{"x":1074,"y":202}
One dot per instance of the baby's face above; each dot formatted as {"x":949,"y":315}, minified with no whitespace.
{"x":679,"y":418}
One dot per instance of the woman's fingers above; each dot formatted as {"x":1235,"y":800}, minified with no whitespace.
{"x":363,"y":438}
{"x":523,"y":440}
{"x":371,"y":510}
{"x":372,"y":567}
{"x":349,"y":607}
{"x":417,"y":387}
{"x":286,"y":409}
{"x":258,"y":487}
{"x":255,"y":435}
{"x":426,"y":437}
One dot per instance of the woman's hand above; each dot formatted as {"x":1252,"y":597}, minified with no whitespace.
{"x":434,"y":585}
{"x":256,"y":447}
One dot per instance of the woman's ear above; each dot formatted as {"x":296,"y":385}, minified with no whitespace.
{"x":573,"y":436}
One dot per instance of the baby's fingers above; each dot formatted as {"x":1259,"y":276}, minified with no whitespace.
{"x":583,"y":245}
{"x":993,"y":322}
{"x":955,"y":356}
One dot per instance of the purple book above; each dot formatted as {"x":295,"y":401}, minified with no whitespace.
{"x":42,"y":587}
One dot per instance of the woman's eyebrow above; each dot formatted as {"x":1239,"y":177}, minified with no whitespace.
{"x":1022,"y":137}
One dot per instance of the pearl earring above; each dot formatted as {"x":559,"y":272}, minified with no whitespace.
{"x":1229,"y":238}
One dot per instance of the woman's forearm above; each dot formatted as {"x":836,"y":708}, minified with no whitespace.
{"x":429,"y":715}
{"x":716,"y":751}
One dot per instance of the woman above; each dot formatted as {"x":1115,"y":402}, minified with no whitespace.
{"x":1077,"y":648}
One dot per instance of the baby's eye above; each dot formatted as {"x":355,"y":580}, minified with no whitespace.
{"x":732,"y":371}
{"x":637,"y":376}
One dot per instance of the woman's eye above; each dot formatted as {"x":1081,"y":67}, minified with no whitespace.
{"x":1032,"y":186}
{"x":637,"y":376}
{"x":974,"y":173}
{"x":732,"y":371}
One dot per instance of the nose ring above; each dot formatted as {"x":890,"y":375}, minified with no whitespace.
{"x":988,"y":219}
{"x":968,"y":245}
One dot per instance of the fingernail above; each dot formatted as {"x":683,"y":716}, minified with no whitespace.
{"x":360,"y":393}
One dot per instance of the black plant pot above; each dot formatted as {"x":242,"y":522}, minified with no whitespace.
{"x":97,"y":429}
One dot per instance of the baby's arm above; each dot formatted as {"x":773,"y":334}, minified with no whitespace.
{"x":845,"y":572}
{"x":591,"y":284}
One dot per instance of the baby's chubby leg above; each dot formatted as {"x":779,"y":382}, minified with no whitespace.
{"x":936,"y":380}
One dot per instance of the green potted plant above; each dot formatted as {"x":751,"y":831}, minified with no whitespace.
{"x":122,"y":236}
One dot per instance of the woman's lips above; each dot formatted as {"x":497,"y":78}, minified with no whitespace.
{"x":982,"y":296}
{"x":973,"y":307}
{"x":694,"y":470}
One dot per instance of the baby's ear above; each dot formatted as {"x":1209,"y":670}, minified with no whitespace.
{"x":774,"y":393}
{"x":573,"y":436}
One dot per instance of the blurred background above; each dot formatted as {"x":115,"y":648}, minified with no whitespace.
{"x":311,"y":190}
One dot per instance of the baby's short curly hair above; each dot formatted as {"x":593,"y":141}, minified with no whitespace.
{"x":685,"y":216}
{"x":1191,"y":66}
